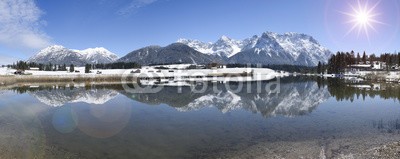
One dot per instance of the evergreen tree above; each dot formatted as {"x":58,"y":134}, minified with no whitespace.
{"x":398,"y":59}
{"x":364,"y":58}
{"x":352,"y":57}
{"x":358,"y":59}
{"x":21,"y":65}
{"x":51,"y":67}
{"x":319,"y":68}
{"x":41,"y":67}
{"x":372,"y":58}
{"x":64,"y":67}
{"x":47,"y":67}
{"x":71,"y":68}
{"x":87,"y":68}
{"x":332,"y":64}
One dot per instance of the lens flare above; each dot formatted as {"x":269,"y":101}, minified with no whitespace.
{"x":363,"y":17}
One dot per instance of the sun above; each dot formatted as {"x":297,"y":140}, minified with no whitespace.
{"x":363,"y":17}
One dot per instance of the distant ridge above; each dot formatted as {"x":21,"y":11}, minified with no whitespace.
{"x":269,"y":48}
{"x":58,"y":54}
{"x":174,"y":53}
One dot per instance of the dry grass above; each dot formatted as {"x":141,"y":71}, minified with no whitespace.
{"x":9,"y":80}
{"x":376,"y":77}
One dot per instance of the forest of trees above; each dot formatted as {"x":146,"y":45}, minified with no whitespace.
{"x":22,"y":65}
{"x":117,"y":65}
{"x":287,"y":68}
{"x":338,"y":62}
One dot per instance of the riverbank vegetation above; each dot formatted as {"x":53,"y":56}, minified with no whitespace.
{"x":9,"y":80}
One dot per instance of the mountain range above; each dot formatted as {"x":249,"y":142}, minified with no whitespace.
{"x":57,"y":54}
{"x":174,"y":53}
{"x":268,"y":48}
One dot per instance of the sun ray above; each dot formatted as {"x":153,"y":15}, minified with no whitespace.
{"x":372,"y":27}
{"x":379,"y":22}
{"x":360,"y":27}
{"x":351,"y":30}
{"x":366,"y":31}
{"x":373,"y":7}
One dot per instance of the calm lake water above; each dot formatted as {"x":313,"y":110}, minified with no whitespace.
{"x":311,"y":118}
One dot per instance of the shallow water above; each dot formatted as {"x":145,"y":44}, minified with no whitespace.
{"x":309,"y":118}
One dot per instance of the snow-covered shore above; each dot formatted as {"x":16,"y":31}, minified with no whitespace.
{"x":165,"y":72}
{"x":388,"y":76}
{"x":221,"y":74}
{"x":6,"y":71}
{"x":9,"y":71}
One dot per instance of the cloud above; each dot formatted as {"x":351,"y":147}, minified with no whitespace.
{"x":134,"y":6}
{"x":20,"y":25}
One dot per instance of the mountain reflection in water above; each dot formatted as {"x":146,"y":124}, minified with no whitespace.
{"x":293,"y":98}
{"x":105,"y":121}
{"x":296,"y":96}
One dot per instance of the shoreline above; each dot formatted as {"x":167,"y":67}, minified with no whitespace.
{"x":315,"y":149}
{"x":38,"y":79}
{"x":373,"y":76}
{"x":147,"y":74}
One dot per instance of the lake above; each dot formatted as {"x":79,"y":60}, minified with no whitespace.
{"x":306,"y":117}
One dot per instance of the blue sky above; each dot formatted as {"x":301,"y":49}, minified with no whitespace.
{"x":122,"y":26}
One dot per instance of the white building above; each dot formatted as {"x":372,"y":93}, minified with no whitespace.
{"x":378,"y":65}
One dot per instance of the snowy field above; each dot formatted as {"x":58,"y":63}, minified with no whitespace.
{"x":177,"y":73}
{"x":148,"y":70}
{"x":81,"y":72}
{"x":7,"y":71}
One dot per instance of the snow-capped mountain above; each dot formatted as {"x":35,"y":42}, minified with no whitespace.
{"x":303,"y":48}
{"x":224,"y":47}
{"x":269,"y":48}
{"x":58,"y":54}
{"x":98,"y":55}
{"x":173,"y":53}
